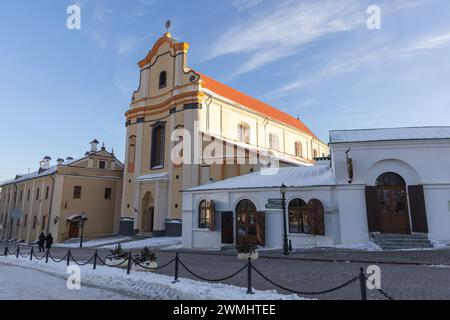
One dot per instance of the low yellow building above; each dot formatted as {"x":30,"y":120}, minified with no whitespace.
{"x":52,"y":199}
{"x":174,"y":105}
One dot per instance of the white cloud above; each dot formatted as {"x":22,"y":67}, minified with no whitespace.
{"x":432,"y":42}
{"x":242,"y":5}
{"x":285,"y":31}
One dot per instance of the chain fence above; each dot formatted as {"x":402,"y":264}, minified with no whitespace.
{"x":130,"y":261}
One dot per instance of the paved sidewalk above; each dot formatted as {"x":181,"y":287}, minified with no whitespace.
{"x":315,"y":270}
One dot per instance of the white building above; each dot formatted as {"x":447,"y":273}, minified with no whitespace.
{"x":393,"y":181}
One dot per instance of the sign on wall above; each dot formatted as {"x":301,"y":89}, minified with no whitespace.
{"x":274,"y":204}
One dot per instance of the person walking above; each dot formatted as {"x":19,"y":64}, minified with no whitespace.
{"x":48,"y":241}
{"x":41,"y":242}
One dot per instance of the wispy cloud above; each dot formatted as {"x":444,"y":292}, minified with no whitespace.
{"x":242,"y":5}
{"x":430,"y":43}
{"x":126,"y":45}
{"x":291,"y":26}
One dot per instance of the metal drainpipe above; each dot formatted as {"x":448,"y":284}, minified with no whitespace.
{"x":51,"y":204}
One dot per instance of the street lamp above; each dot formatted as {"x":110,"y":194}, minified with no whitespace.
{"x":283,"y":203}
{"x":83,"y":218}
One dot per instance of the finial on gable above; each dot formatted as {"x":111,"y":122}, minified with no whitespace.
{"x":168,"y":25}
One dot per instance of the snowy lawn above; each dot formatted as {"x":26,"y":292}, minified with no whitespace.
{"x":160,"y":242}
{"x":146,"y":285}
{"x":93,"y":243}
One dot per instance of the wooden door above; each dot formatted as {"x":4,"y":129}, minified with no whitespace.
{"x":227,"y":227}
{"x":393,"y":209}
{"x":73,"y":229}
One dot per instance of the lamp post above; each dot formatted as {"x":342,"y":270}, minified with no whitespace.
{"x":283,"y":203}
{"x":83,"y":218}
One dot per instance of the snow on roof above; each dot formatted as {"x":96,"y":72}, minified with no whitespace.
{"x":319,"y":175}
{"x":32,"y":175}
{"x":363,"y":135}
{"x":153,"y":176}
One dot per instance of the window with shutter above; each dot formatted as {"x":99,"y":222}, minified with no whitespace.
{"x":418,"y":210}
{"x":298,"y":216}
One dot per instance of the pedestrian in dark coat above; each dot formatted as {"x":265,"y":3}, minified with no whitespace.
{"x":49,"y":241}
{"x":41,"y":242}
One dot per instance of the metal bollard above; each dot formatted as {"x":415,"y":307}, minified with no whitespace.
{"x":18,"y":252}
{"x":68,"y":257}
{"x":129,"y":263}
{"x":31,"y":253}
{"x":46,"y":255}
{"x":249,"y":276}
{"x":290,"y":245}
{"x":6,"y":252}
{"x":95,"y":259}
{"x":362,"y":283}
{"x":176,"y":268}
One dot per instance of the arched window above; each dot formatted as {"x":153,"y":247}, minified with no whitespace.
{"x":246,"y":223}
{"x":158,"y":145}
{"x":206,"y":215}
{"x":298,"y":216}
{"x":244,"y":132}
{"x":298,"y":149}
{"x":315,"y":153}
{"x":390,"y":179}
{"x":162,"y":79}
{"x":274,"y":143}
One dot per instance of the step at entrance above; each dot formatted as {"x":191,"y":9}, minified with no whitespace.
{"x":402,"y":241}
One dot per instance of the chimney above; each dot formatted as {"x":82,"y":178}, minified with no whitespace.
{"x":94,"y":144}
{"x":60,"y":161}
{"x":45,"y":163}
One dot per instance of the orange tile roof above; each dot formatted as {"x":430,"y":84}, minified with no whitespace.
{"x":252,"y":103}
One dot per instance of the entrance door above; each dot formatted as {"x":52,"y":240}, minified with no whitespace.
{"x":392,"y":204}
{"x":246,"y":223}
{"x":73,"y":229}
{"x":148,"y":220}
{"x":227,"y":227}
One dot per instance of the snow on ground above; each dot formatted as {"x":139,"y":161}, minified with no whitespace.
{"x":160,"y":242}
{"x":370,"y":246}
{"x":19,"y":283}
{"x":440,"y":244}
{"x":93,"y":243}
{"x":145,"y":285}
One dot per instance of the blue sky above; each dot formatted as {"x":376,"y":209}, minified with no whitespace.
{"x":61,"y":88}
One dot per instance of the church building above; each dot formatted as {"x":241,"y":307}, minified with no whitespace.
{"x":175,"y":106}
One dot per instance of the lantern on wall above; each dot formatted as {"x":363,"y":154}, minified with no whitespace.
{"x":349,"y":166}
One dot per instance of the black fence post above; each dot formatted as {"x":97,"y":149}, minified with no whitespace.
{"x":31,"y":253}
{"x":95,"y":259}
{"x":176,"y":268}
{"x":18,"y":252}
{"x":129,"y":263}
{"x":46,"y":255}
{"x":68,"y":256}
{"x":290,"y":245}
{"x":249,"y":276}
{"x":6,"y":252}
{"x":362,"y":283}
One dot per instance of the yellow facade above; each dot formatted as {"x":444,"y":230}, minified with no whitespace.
{"x":152,"y":195}
{"x":47,"y":202}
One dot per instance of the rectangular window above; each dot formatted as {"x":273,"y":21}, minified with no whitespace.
{"x":47,"y":191}
{"x":28,"y":194}
{"x":25,"y":220}
{"x":108,"y":193}
{"x":37,"y":193}
{"x":77,"y":192}
{"x":21,"y":195}
{"x":34,"y":222}
{"x":102,"y":164}
{"x":43,"y":222}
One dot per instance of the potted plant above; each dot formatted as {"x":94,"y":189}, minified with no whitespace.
{"x":117,"y":256}
{"x":144,"y":260}
{"x":247,"y":250}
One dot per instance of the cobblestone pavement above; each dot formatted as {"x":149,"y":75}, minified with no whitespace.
{"x":316,"y":270}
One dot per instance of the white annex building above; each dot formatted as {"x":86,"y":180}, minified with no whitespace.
{"x":379,"y":181}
